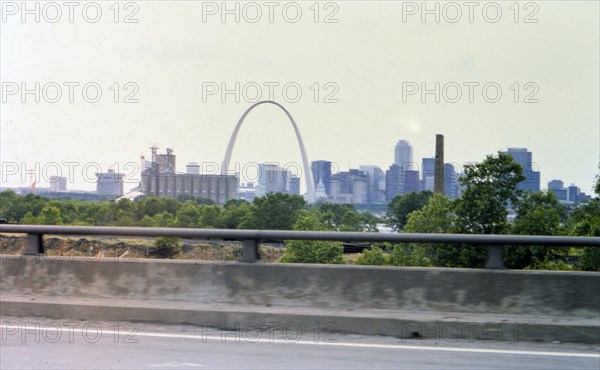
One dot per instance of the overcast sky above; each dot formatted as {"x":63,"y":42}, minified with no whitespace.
{"x":363,"y":59}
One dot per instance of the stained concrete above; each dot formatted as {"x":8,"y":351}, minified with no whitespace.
{"x":346,"y":292}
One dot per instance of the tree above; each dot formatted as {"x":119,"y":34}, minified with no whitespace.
{"x":332,"y":213}
{"x":234,"y":213}
{"x":375,"y":256}
{"x":402,"y":205}
{"x":50,"y":215}
{"x":8,"y":201}
{"x":188,"y":215}
{"x":14,"y":207}
{"x":29,"y":219}
{"x":154,"y":205}
{"x":437,"y":216}
{"x":209,"y":216}
{"x":312,"y":251}
{"x":104,"y":213}
{"x":164,"y":219}
{"x":490,"y":187}
{"x":538,"y":213}
{"x":276,"y":211}
{"x":146,"y":221}
{"x":198,"y":200}
{"x":585,"y":221}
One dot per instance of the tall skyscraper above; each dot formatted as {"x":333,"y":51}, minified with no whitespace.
{"x":451,"y":184}
{"x":428,"y":174}
{"x":321,"y":171}
{"x":293,"y":185}
{"x":376,"y":192}
{"x":412,"y":183}
{"x":523,"y":157}
{"x":573,"y":193}
{"x":403,"y":153}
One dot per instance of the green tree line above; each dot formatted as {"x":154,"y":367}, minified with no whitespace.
{"x":273,"y":211}
{"x":489,"y":191}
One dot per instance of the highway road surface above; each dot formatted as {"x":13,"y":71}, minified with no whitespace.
{"x":29,"y":343}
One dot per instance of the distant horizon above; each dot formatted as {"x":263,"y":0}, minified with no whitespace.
{"x":215,"y":168}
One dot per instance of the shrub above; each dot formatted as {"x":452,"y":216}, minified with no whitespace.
{"x":374,"y":256}
{"x":166,"y":247}
{"x":590,"y":259}
{"x":313,"y":251}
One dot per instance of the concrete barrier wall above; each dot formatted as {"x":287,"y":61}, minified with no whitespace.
{"x":319,"y":286}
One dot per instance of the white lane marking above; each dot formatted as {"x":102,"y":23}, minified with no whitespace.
{"x":163,"y":365}
{"x":206,"y":337}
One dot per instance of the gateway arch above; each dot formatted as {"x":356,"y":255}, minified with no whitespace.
{"x":310,"y":186}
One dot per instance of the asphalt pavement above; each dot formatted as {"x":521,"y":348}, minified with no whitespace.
{"x":28,"y":343}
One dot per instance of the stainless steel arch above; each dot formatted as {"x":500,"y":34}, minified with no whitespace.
{"x":310,"y":186}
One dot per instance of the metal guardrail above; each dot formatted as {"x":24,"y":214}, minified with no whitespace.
{"x":250,"y":238}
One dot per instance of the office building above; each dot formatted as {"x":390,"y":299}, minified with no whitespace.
{"x":399,"y":181}
{"x":271,"y":179}
{"x":532,"y":178}
{"x":376,"y":193}
{"x":350,"y":187}
{"x":293,"y":185}
{"x":427,"y":174}
{"x":403,"y":153}
{"x":557,"y":187}
{"x":451,"y":183}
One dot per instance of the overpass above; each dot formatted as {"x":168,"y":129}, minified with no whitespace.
{"x":404,"y":302}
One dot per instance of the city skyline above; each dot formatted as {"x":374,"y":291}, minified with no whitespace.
{"x":380,"y":186}
{"x":364,"y":103}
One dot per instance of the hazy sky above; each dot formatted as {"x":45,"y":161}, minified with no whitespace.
{"x":364,"y":65}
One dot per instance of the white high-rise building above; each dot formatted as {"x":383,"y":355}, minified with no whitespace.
{"x":272,"y":179}
{"x":403,"y":153}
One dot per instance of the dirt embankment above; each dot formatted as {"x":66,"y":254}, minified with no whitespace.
{"x":133,"y":248}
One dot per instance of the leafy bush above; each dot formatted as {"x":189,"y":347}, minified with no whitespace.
{"x":312,"y":251}
{"x":550,"y":265}
{"x":166,"y":247}
{"x":590,"y":259}
{"x":404,"y":255}
{"x":374,"y":256}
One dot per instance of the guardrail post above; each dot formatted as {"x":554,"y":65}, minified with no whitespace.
{"x":35,"y":245}
{"x":249,"y":251}
{"x":495,"y":257}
